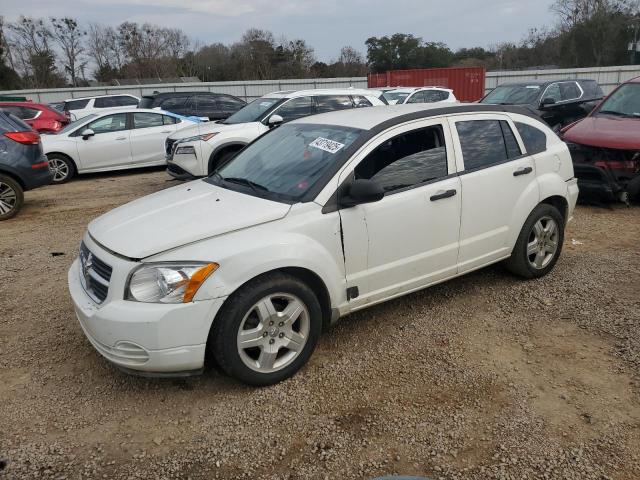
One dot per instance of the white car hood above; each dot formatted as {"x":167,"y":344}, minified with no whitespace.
{"x":210,"y":127}
{"x":178,"y":216}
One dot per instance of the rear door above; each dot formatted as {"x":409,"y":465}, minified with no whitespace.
{"x":499,"y":187}
{"x":109,"y":146}
{"x":148,"y":134}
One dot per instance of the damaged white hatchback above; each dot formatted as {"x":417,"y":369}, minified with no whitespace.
{"x":316,"y":219}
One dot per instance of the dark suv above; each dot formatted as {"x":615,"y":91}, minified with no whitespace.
{"x":22,"y":163}
{"x":558,"y":102}
{"x":214,"y":106}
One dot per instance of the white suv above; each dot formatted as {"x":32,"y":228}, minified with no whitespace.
{"x":302,"y":227}
{"x":399,"y":96}
{"x":199,"y":150}
{"x":81,"y":107}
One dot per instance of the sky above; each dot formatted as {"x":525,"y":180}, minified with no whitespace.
{"x":326,"y":25}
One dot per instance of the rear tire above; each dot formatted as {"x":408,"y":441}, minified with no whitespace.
{"x":62,"y":167}
{"x":267,"y":330}
{"x":11,"y":197}
{"x":633,"y":188}
{"x":539,"y":244}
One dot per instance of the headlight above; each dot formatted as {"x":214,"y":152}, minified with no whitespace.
{"x":203,"y":137}
{"x":167,"y":282}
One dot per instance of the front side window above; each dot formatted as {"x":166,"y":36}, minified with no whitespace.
{"x":205,"y":102}
{"x":168,"y":120}
{"x":486,"y":142}
{"x":229,"y":103}
{"x":535,"y":141}
{"x":106,"y":102}
{"x":75,"y":104}
{"x":435,"y":96}
{"x":407,"y":160}
{"x":552,"y":92}
{"x":295,"y":108}
{"x":147,"y":120}
{"x":288,"y":161}
{"x":173,"y":102}
{"x":126,"y":101}
{"x":395,"y":97}
{"x":110,"y":123}
{"x":329,"y":103}
{"x":569,"y":91}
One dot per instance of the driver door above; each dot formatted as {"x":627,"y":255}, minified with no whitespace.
{"x":110,"y":144}
{"x":409,"y":239}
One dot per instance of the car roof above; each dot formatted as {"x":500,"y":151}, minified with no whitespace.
{"x":386,"y":116}
{"x":173,"y":94}
{"x":314,"y":92}
{"x":101,"y":96}
{"x":634,"y":80}
{"x":544,"y":83}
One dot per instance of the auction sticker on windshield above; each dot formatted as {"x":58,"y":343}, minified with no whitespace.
{"x":326,"y":145}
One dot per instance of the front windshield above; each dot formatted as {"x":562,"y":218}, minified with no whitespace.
{"x":397,"y":97}
{"x":287,"y":162}
{"x":624,"y":102}
{"x":513,"y":95}
{"x":253,"y":112}
{"x":76,"y":123}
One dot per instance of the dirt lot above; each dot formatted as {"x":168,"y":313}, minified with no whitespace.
{"x":483,"y":377}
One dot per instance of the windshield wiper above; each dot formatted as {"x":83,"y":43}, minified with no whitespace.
{"x":243,"y":181}
{"x":620,"y":114}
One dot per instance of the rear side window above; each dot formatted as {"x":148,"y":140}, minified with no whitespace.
{"x":484,"y":144}
{"x":229,"y":103}
{"x":361,"y":101}
{"x":105,"y":102}
{"x":75,"y":104}
{"x":204,"y":102}
{"x":109,"y":124}
{"x":330,"y":103}
{"x":29,"y":113}
{"x":535,"y":141}
{"x":569,"y":91}
{"x":417,"y":98}
{"x":407,"y":160}
{"x":431,"y":96}
{"x":146,"y":120}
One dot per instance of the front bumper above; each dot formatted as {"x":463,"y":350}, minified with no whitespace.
{"x":142,"y":337}
{"x":190,"y":162}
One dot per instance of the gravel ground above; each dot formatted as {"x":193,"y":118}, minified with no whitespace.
{"x":484,"y":377}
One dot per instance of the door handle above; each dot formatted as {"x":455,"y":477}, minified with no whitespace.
{"x":166,"y":131}
{"x":522,"y":171}
{"x":121,"y":138}
{"x":440,"y":194}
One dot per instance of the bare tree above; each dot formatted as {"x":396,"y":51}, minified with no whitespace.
{"x":69,"y":37}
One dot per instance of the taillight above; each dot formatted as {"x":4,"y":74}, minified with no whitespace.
{"x":26,"y":138}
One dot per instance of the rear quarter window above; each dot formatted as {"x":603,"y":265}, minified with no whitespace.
{"x":75,"y":104}
{"x":535,"y":140}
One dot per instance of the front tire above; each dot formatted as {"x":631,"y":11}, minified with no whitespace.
{"x":11,"y":197}
{"x":539,"y":244}
{"x":62,"y":167}
{"x":267,"y":330}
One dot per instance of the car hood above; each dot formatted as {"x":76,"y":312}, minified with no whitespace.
{"x":606,"y":131}
{"x":178,"y":216}
{"x":208,"y":127}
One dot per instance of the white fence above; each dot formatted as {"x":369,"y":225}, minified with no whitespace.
{"x":247,"y":90}
{"x":607,"y":77}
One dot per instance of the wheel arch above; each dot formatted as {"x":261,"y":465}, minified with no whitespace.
{"x":560,"y":203}
{"x":13,"y":176}
{"x":235,"y":146}
{"x":65,"y":155}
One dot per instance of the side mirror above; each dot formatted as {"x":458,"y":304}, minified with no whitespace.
{"x":86,"y":133}
{"x":274,"y":121}
{"x":547,"y":101}
{"x":361,"y":191}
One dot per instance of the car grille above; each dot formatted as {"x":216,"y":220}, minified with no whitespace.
{"x":95,"y":275}
{"x":168,"y":146}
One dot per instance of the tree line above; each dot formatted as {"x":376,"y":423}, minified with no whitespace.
{"x":56,"y":52}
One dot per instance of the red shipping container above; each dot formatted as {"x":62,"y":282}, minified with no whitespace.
{"x":467,"y":83}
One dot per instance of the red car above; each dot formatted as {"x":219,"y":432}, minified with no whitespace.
{"x":605,"y":146}
{"x":38,"y":116}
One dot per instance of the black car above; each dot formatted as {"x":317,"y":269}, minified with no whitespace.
{"x":558,"y":102}
{"x":23,"y":166}
{"x":214,"y":106}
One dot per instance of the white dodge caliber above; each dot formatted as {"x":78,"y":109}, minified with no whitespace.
{"x":253,"y":263}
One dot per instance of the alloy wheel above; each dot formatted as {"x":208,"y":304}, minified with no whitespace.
{"x":59,"y":168}
{"x":273,"y":333}
{"x":543,"y":242}
{"x":8,"y":198}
